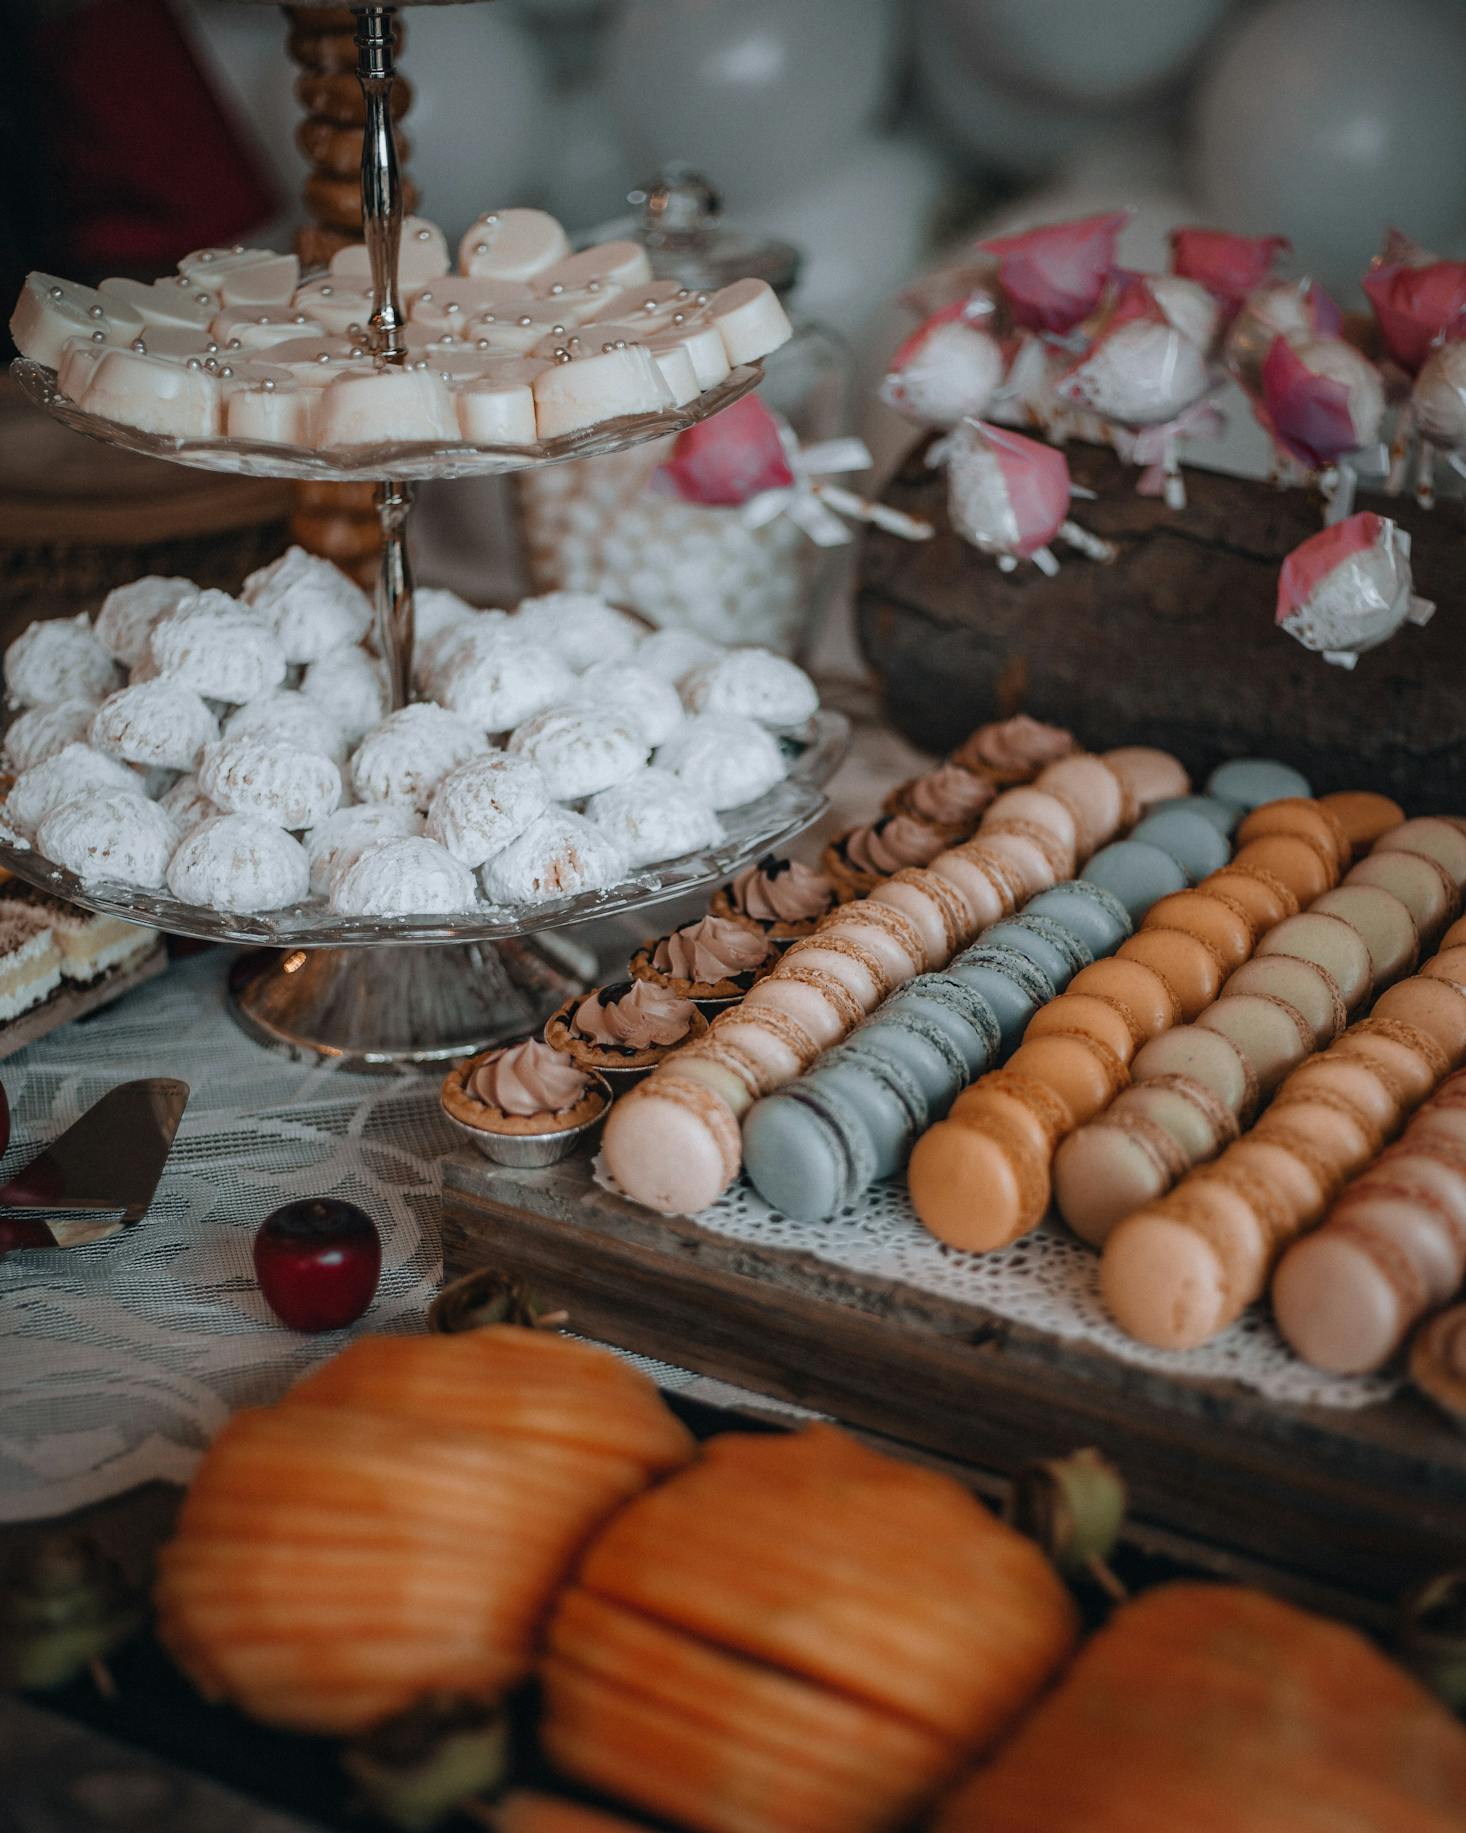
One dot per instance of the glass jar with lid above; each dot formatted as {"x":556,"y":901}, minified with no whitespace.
{"x":595,"y":526}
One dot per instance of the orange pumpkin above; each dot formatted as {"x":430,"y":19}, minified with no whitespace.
{"x":381,"y":1534}
{"x":523,"y":1813}
{"x":799,"y":1633}
{"x":1213,"y":1709}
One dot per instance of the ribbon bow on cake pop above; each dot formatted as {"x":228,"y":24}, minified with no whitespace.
{"x":747,"y":459}
{"x":1009,"y":496}
{"x":1348,"y":588}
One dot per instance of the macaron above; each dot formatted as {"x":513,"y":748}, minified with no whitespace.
{"x":1205,"y":1056}
{"x":1190,"y":967}
{"x":1447,"y":964}
{"x":1247,"y":781}
{"x":672,"y":1144}
{"x":843,"y":958}
{"x":1411,"y":1061}
{"x":1135,"y":873}
{"x":806,"y":1151}
{"x":1436,"y":1189}
{"x":1301,"y":984}
{"x":1306,"y":869}
{"x":1117,"y":1164}
{"x":922,"y":1048}
{"x":977,"y":1184}
{"x":889,"y":934}
{"x":1169,"y":1272}
{"x":1223,"y":816}
{"x":1370,"y":1090}
{"x":1422,"y":885}
{"x":1101,"y":1019}
{"x":1088,"y":911}
{"x":1272,"y":1035}
{"x":827,"y":1010}
{"x":1212,"y":917}
{"x":1267,"y":900}
{"x":1455,"y":936}
{"x":1008,"y":981}
{"x":1193,"y":1116}
{"x":1046,"y":943}
{"x":1021,"y":1102}
{"x":1345,"y":1297}
{"x":1435,"y":837}
{"x":960,"y":1011}
{"x":886,"y":1096}
{"x":1037,"y":808}
{"x":1151,"y":776}
{"x":1341,"y":1141}
{"x":1082,"y":1072}
{"x":1298,"y":815}
{"x":1330,"y":942}
{"x":1304,"y":1183}
{"x":732,"y":1077}
{"x":1146,"y":1001}
{"x":1387,"y":927}
{"x":1191,"y":840}
{"x":942,"y":918}
{"x":982,"y":880}
{"x":1435,"y":1007}
{"x":778,"y":1047}
{"x":1034,"y":856}
{"x":1363,"y":815}
{"x":1096,"y":792}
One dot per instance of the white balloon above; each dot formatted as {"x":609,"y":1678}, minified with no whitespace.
{"x":1096,"y":52}
{"x":1325,"y":120}
{"x":480,"y":114}
{"x":761,"y":95}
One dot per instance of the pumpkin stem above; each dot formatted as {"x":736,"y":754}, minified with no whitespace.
{"x":1074,"y":1507}
{"x":430,"y":1762}
{"x":64,"y":1605}
{"x":487,"y":1297}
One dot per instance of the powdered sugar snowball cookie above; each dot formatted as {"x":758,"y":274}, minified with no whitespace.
{"x":289,"y":717}
{"x":724,"y":760}
{"x":580,"y":750}
{"x":351,"y":687}
{"x":161,"y":724}
{"x":188,"y":806}
{"x":580,"y":626}
{"x":494,"y":679}
{"x":409,"y":877}
{"x":432,"y":656}
{"x":128,"y":613}
{"x":216,"y":646}
{"x":41,"y":731}
{"x":71,"y":772}
{"x":558,"y":855}
{"x":343,"y":837}
{"x":406,"y":757}
{"x":673,"y":653}
{"x":239,"y":863}
{"x":276,"y":781}
{"x":753,"y":684}
{"x":59,"y":659}
{"x":110,"y":834}
{"x":481,"y":806}
{"x":653,"y":816}
{"x":637,"y":696}
{"x":311,"y":605}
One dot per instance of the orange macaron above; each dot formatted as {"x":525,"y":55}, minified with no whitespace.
{"x":1212,"y":917}
{"x":1415,"y":1062}
{"x":1332,"y":1128}
{"x":1267,"y":900}
{"x":1299,"y":815}
{"x":1436,"y":1007}
{"x":977,"y":1184}
{"x":1020,"y":1103}
{"x":1085,"y":1074}
{"x":1190,"y":967}
{"x":1363,"y":815}
{"x":1102,"y":1019}
{"x":1372,"y":1090}
{"x":1306,"y":867}
{"x":1142,"y":995}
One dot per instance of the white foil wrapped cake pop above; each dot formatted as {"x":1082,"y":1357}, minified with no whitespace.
{"x":1324,"y":404}
{"x":1348,"y":588}
{"x":1297,"y":309}
{"x":949,"y":368}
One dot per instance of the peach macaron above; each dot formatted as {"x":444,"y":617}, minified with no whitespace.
{"x":977,"y":1183}
{"x":1364,"y":815}
{"x":1084,"y":1073}
{"x":1190,"y":967}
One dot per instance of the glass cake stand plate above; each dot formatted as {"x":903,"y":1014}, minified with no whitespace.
{"x":410,"y":461}
{"x":366,"y":991}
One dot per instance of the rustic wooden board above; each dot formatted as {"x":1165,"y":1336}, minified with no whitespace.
{"x":1175,"y":643}
{"x":1368,"y":1502}
{"x":69,"y":1002}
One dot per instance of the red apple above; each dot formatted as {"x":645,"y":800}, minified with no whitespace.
{"x":317,"y":1262}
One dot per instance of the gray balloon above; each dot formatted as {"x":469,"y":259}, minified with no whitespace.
{"x":1325,"y":120}
{"x":760,"y":94}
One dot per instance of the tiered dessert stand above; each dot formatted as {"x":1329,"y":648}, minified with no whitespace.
{"x":364,"y":991}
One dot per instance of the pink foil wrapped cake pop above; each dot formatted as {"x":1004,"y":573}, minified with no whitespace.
{"x":1437,"y":413}
{"x":1322,"y":402}
{"x":724,"y":461}
{"x":948,"y":369}
{"x":1053,"y":277}
{"x":1348,"y":588}
{"x":1228,"y":266}
{"x":1415,"y":297}
{"x":1009,"y":496}
{"x":1298,"y":309}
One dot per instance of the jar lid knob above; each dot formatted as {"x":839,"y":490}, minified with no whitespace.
{"x":678,"y":207}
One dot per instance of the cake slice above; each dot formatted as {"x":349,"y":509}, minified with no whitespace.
{"x":30,"y":959}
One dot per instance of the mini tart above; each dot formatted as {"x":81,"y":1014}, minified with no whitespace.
{"x":781,"y":932}
{"x":731,"y":986}
{"x":469,"y":1111}
{"x":587,"y":1053}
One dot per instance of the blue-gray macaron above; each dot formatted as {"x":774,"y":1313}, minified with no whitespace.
{"x":1251,"y":781}
{"x":1137,"y":873}
{"x":885,"y":1094}
{"x":1008,"y":981}
{"x":960,"y":1010}
{"x":1047,"y":944}
{"x":1191,"y":840}
{"x":1223,"y":816}
{"x":1095,"y":915}
{"x":920,"y":1046}
{"x":806,"y":1151}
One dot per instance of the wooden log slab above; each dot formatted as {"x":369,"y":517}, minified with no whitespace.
{"x":1368,"y":1501}
{"x":1174,"y":644}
